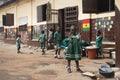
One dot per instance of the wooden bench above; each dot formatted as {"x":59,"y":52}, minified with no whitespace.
{"x":108,"y":51}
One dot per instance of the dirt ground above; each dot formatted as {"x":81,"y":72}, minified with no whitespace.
{"x":31,"y":65}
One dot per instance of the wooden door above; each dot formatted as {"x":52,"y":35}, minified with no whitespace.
{"x":71,"y":18}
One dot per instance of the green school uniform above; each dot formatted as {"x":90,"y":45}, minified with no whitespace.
{"x":18,"y":41}
{"x":84,"y":44}
{"x":42,"y":40}
{"x":99,"y":43}
{"x":57,"y":38}
{"x":65,"y":43}
{"x":73,"y":51}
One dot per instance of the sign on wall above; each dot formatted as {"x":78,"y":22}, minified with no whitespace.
{"x":105,"y":22}
{"x":11,"y":33}
{"x":36,"y":31}
{"x":86,"y":25}
{"x":23,"y":20}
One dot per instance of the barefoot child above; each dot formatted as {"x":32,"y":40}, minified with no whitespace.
{"x":73,"y":51}
{"x":42,"y":40}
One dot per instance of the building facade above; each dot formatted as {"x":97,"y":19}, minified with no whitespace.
{"x":31,"y":16}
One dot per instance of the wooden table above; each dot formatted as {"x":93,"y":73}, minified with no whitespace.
{"x":108,"y":50}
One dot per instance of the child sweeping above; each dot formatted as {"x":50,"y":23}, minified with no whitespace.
{"x":73,"y":51}
{"x":42,"y":40}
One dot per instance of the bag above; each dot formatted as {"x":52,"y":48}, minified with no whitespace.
{"x":106,"y":71}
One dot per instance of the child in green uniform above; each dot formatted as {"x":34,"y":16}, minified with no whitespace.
{"x":57,"y":38}
{"x":73,"y":51}
{"x":64,"y":44}
{"x":18,"y":43}
{"x":42,"y":40}
{"x":99,"y":43}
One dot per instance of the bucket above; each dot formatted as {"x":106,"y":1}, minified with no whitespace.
{"x":91,"y":53}
{"x":113,"y":54}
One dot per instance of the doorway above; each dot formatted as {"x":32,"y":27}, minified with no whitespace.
{"x":61,"y":22}
{"x":67,"y":17}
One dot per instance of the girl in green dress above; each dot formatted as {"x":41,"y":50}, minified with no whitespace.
{"x":73,"y":51}
{"x":42,"y":40}
{"x":99,"y":43}
{"x":57,"y":39}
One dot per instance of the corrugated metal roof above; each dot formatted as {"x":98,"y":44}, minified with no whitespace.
{"x":6,"y":2}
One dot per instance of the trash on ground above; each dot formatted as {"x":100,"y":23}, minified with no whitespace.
{"x":90,"y":74}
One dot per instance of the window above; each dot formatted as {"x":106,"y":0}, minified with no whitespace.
{"x":98,"y":6}
{"x":105,"y":5}
{"x":89,"y":6}
{"x":8,"y":19}
{"x":23,"y":27}
{"x":1,"y":33}
{"x":71,"y":17}
{"x":41,"y":13}
{"x":4,"y":19}
{"x":23,"y":33}
{"x":36,"y":32}
{"x":1,"y":29}
{"x":11,"y":34}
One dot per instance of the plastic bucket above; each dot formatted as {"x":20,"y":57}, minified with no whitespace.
{"x":113,"y":55}
{"x":91,"y":53}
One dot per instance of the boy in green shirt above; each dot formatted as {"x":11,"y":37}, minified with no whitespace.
{"x":42,"y":40}
{"x":57,"y":38}
{"x":99,"y":43}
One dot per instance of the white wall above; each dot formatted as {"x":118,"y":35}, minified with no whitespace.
{"x":12,"y":10}
{"x":107,"y":14}
{"x":8,"y":9}
{"x":1,"y":13}
{"x":117,"y":2}
{"x":27,"y":9}
{"x":24,"y":10}
{"x":36,"y":3}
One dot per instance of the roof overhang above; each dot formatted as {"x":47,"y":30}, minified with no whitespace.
{"x":6,"y":2}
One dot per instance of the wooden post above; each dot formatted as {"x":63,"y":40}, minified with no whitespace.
{"x":117,"y":35}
